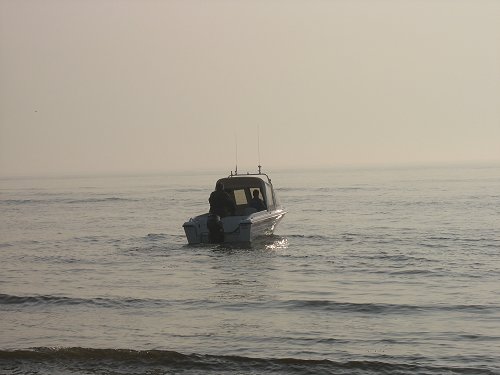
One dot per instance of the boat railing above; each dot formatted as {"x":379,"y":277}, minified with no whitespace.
{"x":259,"y":173}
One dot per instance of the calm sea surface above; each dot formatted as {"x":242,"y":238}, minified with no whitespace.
{"x":372,"y":271}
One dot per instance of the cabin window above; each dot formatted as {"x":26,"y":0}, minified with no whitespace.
{"x":269,"y":197}
{"x":240,"y":197}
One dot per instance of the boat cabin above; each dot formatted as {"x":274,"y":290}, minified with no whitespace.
{"x":241,"y":189}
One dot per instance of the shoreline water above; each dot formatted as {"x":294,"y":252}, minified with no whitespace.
{"x":371,"y":272}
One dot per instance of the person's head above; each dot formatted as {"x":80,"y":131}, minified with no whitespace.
{"x":255,"y":193}
{"x":219,"y":186}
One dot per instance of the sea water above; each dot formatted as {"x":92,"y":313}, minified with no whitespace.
{"x":372,"y":271}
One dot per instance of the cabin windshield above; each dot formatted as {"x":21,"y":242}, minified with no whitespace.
{"x":241,"y":190}
{"x":240,"y":197}
{"x":269,"y":197}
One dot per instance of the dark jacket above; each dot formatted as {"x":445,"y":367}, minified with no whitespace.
{"x":257,"y":204}
{"x":221,"y":203}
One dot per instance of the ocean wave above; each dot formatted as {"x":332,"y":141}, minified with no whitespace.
{"x":76,"y":360}
{"x":102,"y":302}
{"x":156,"y":236}
{"x":188,"y":190}
{"x":100,"y":200}
{"x":276,"y":306}
{"x":328,"y":189}
{"x":17,"y":202}
{"x":385,"y":308}
{"x":20,"y":202}
{"x":316,"y":237}
{"x":6,"y":299}
{"x":414,"y":272}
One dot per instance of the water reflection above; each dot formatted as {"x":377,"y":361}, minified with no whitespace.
{"x":246,"y":272}
{"x":278,"y":244}
{"x":273,"y":242}
{"x":244,"y":277}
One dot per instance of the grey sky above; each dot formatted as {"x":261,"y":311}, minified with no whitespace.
{"x":91,"y":86}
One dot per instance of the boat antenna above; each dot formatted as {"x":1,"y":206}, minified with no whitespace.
{"x":236,"y":144}
{"x":258,"y":146}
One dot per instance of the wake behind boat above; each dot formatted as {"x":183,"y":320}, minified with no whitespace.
{"x":246,"y":218}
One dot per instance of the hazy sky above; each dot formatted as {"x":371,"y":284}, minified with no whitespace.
{"x":96,"y":86}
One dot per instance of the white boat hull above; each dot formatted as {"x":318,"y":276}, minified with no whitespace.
{"x":237,"y":229}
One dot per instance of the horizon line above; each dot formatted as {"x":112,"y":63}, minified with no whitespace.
{"x":207,"y":171}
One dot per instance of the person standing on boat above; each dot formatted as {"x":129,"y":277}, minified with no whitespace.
{"x":221,"y":203}
{"x":256,"y":202}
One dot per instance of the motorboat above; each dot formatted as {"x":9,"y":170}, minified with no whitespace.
{"x":245,"y":223}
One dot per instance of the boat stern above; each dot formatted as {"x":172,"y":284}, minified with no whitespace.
{"x":196,"y":231}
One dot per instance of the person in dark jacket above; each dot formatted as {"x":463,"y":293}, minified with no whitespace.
{"x":256,"y":202}
{"x":221,"y":203}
